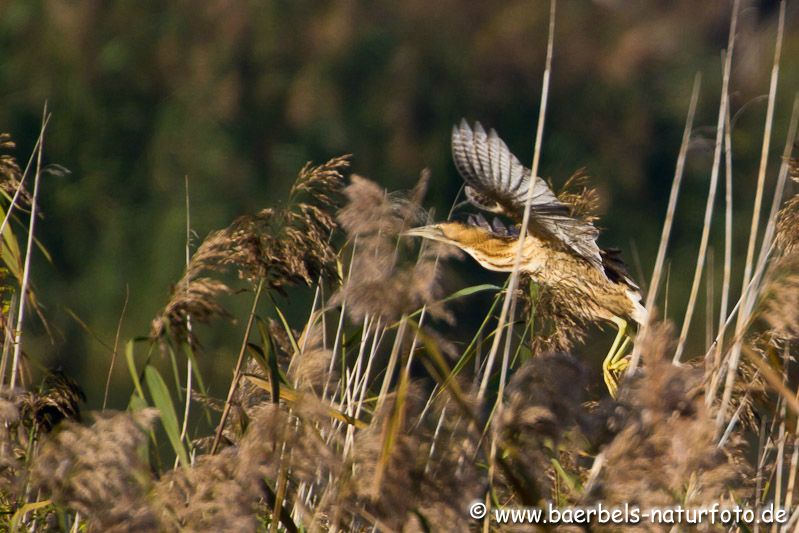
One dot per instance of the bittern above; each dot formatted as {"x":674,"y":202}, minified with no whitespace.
{"x":559,"y":251}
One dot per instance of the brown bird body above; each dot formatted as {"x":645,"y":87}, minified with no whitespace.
{"x":559,"y":249}
{"x":591,"y":293}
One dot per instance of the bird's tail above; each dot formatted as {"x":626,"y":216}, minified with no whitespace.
{"x":639,"y":313}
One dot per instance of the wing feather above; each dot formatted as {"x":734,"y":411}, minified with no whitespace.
{"x":497,"y":182}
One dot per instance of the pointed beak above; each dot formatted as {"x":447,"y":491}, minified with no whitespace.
{"x":426,"y":232}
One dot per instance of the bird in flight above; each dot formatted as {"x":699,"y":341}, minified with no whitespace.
{"x":559,"y":251}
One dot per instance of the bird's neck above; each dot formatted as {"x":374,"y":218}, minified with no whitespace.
{"x":500,"y":255}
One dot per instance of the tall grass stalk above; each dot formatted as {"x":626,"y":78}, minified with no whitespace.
{"x":676,"y":182}
{"x":793,"y":469}
{"x":115,"y":350}
{"x":510,"y":295}
{"x":764,"y":152}
{"x":393,"y":358}
{"x":21,"y":185}
{"x":339,"y":328}
{"x":743,"y":315}
{"x":237,"y":370}
{"x":712,"y":187}
{"x":709,"y":298}
{"x":189,"y":370}
{"x":8,"y":339}
{"x":781,"y":433}
{"x":717,"y":346}
{"x":23,"y":291}
{"x":747,"y":300}
{"x":727,"y":276}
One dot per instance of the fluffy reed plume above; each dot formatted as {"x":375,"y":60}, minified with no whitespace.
{"x":10,"y":173}
{"x":580,"y":196}
{"x":100,"y":471}
{"x":667,"y":431}
{"x":292,"y":246}
{"x":452,"y":477}
{"x":194,"y":295}
{"x":557,"y":321}
{"x":537,"y":415}
{"x":228,"y":491}
{"x":788,"y":226}
{"x":309,"y":371}
{"x":787,"y":237}
{"x":779,"y":305}
{"x":780,"y":293}
{"x":206,"y":497}
{"x":384,"y":281}
{"x":750,"y":395}
{"x":58,"y":398}
{"x":283,"y":247}
{"x":558,"y":326}
{"x":13,"y":440}
{"x":428,"y":477}
{"x":24,"y":417}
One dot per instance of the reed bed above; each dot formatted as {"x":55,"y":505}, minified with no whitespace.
{"x":370,"y":415}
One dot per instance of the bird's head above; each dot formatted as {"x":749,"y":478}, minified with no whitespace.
{"x":455,"y":233}
{"x":492,"y":251}
{"x":446,"y":232}
{"x":435,"y":232}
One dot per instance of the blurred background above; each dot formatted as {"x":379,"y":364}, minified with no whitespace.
{"x":237,"y":95}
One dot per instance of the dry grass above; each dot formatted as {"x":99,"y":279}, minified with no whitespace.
{"x":384,"y":279}
{"x":100,"y":471}
{"x":10,"y":172}
{"x":318,"y":437}
{"x":374,"y":415}
{"x":666,"y":428}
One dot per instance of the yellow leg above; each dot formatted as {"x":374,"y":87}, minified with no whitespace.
{"x":618,"y":363}
{"x":620,"y":344}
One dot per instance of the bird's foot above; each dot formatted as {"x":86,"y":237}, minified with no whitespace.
{"x":610,"y":381}
{"x":613,"y":372}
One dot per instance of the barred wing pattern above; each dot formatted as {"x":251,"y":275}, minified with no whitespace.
{"x":497,"y":182}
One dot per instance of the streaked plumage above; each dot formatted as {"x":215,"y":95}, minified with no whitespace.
{"x":498,"y":183}
{"x":589,"y":292}
{"x":560,"y":250}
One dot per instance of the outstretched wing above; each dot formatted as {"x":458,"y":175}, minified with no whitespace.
{"x":497,"y":182}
